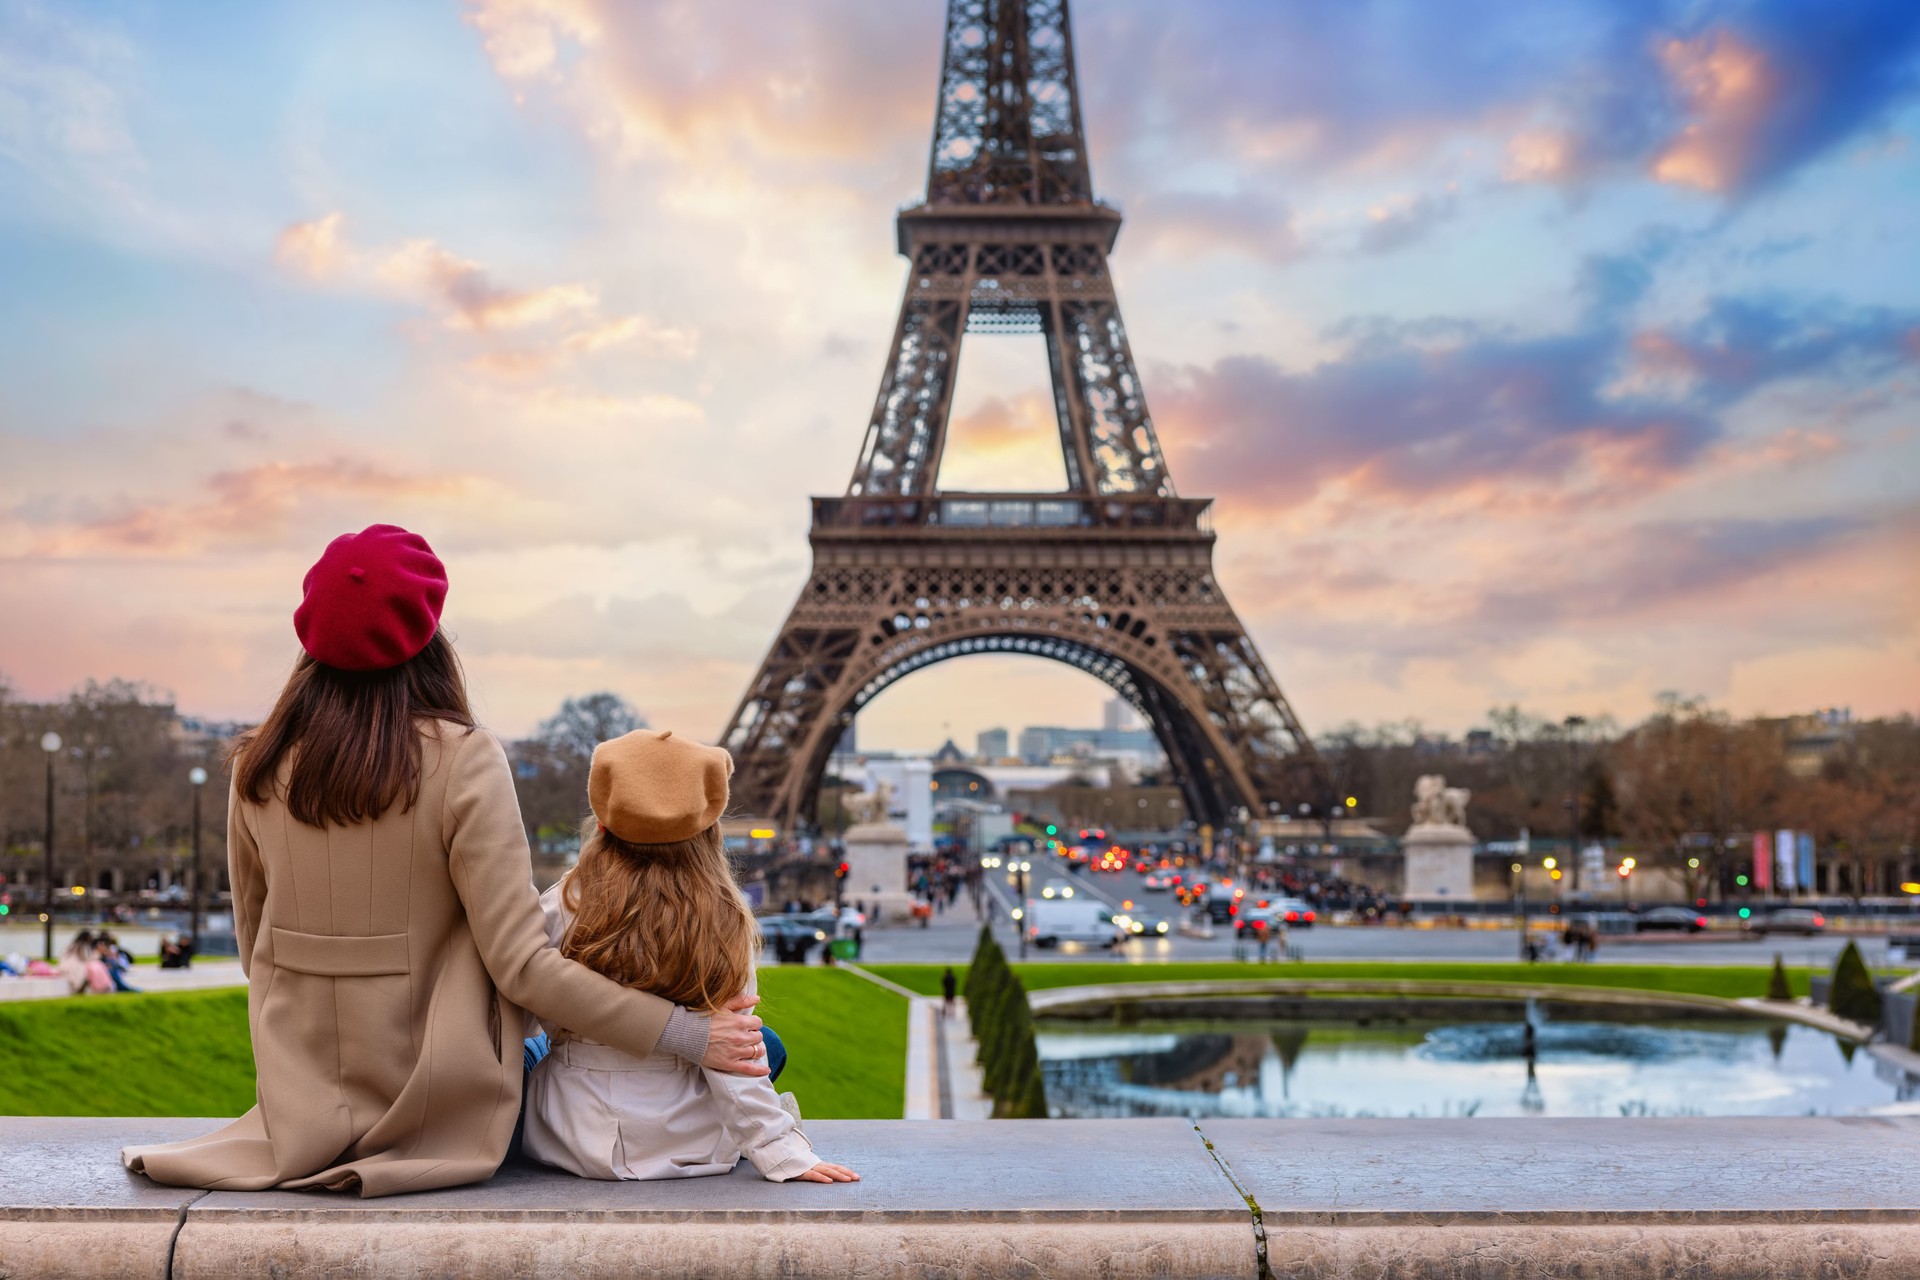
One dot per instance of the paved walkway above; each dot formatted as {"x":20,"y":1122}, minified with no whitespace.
{"x":205,"y":975}
{"x":1481,"y":1198}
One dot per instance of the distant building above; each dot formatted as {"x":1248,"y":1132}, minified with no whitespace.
{"x":1118,"y":714}
{"x":1041,"y":744}
{"x":849,"y":744}
{"x":1812,"y":740}
{"x":990,"y":746}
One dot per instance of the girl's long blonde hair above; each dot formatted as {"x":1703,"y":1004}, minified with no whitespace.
{"x":664,"y":918}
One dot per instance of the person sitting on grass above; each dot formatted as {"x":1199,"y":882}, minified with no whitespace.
{"x":75,"y":961}
{"x":652,"y":904}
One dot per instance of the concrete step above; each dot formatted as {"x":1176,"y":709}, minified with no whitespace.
{"x":1111,"y":1198}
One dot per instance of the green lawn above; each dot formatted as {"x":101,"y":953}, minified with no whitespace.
{"x":187,"y":1053}
{"x":846,"y":1040}
{"x":1729,"y":982}
{"x":181,"y":1054}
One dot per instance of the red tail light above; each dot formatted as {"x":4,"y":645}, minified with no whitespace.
{"x":1293,"y":917}
{"x":1261,"y":903}
{"x":1701,"y":921}
{"x":1820,"y":920}
{"x":1233,"y":909}
{"x":1309,"y":917}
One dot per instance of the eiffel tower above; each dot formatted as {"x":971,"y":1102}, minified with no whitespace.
{"x":1113,"y":575}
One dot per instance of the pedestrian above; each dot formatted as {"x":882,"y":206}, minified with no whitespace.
{"x":652,"y":905}
{"x":948,"y":985}
{"x":74,"y":961}
{"x":379,"y":1004}
{"x":859,"y":939}
{"x":118,"y":962}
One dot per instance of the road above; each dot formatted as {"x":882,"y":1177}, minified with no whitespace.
{"x":950,"y":937}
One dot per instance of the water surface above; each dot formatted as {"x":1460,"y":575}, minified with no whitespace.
{"x":1575,"y":1068}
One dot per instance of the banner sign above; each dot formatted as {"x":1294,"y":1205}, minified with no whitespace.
{"x":1783,"y":857}
{"x":1762,"y":860}
{"x":1806,"y":860}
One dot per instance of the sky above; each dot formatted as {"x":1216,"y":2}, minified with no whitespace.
{"x":1559,"y":354}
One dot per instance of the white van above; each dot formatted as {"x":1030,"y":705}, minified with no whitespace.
{"x":1051,"y":921}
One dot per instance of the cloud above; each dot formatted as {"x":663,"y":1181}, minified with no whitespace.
{"x":247,"y":506}
{"x":62,"y":110}
{"x":1456,"y":410}
{"x":467,"y":297}
{"x":1406,"y":221}
{"x":797,"y":84}
{"x":1194,"y":223}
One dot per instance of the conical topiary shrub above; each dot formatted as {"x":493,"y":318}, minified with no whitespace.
{"x":1854,"y":996}
{"x":1033,"y":1102}
{"x":977,"y":962}
{"x":1778,"y":988}
{"x":985,"y":987}
{"x":1002,"y":1031}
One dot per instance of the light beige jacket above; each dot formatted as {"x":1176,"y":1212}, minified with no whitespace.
{"x":601,"y":1112}
{"x":388,"y":966}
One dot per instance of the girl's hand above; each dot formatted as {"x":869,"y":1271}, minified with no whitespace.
{"x":828,"y":1173}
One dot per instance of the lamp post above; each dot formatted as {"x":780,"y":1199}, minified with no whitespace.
{"x":1572,"y":723}
{"x":1520,"y":906}
{"x":198,"y":777}
{"x":1020,"y":910}
{"x":49,"y":743}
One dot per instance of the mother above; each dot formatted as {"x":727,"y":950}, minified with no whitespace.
{"x":384,"y":904}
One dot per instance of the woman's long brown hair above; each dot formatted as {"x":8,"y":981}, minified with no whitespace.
{"x":354,"y":736}
{"x":665,"y":918}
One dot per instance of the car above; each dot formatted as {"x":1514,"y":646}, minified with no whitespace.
{"x":790,"y":938}
{"x":1295,"y":913}
{"x":1156,"y":883}
{"x":1681,"y":919}
{"x":1143,"y":926}
{"x":1056,"y":889}
{"x":1801,"y":920}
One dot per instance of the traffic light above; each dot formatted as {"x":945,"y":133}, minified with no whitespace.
{"x":1052,"y":830}
{"x":840,"y":872}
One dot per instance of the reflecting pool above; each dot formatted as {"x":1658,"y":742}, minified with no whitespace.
{"x":1556,"y":1067}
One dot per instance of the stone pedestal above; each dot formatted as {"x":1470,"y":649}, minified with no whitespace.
{"x":1439,"y":861}
{"x":877,"y":871}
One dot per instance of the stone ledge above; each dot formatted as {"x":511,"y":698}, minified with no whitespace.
{"x":1110,"y":1198}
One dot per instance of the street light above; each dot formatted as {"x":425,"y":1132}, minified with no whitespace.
{"x":1520,"y":906}
{"x":50,"y":743}
{"x":198,"y":777}
{"x":1020,"y":910}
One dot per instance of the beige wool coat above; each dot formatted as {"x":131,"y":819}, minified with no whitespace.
{"x":388,"y":966}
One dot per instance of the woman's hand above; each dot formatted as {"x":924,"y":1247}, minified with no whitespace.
{"x":828,"y":1173}
{"x":733,"y":1040}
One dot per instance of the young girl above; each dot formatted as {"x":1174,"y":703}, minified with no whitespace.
{"x":652,"y":905}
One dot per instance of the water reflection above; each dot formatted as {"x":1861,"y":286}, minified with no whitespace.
{"x":1530,"y":1067}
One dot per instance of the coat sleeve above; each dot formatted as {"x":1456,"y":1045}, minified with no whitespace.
{"x":248,"y":879}
{"x":755,"y":1122}
{"x":492,"y":872}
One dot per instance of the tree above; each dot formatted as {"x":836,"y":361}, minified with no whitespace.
{"x":1853,"y":995}
{"x":583,"y":723}
{"x":1778,"y":988}
{"x":550,"y":768}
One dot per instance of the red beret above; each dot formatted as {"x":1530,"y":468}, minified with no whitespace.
{"x":372,"y":600}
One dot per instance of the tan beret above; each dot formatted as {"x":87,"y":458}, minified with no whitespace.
{"x":650,"y":787}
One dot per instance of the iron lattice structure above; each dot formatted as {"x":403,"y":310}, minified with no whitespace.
{"x":1113,"y":575}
